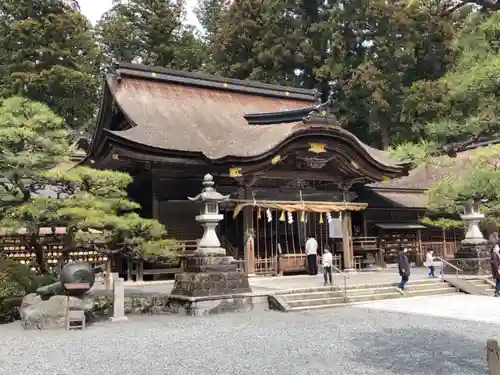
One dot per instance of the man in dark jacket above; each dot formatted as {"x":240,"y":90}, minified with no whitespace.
{"x":404,"y":269}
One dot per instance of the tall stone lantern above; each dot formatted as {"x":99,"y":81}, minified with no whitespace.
{"x":209,"y":217}
{"x":208,"y":271}
{"x":473,"y":255}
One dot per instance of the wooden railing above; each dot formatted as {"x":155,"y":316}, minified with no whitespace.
{"x":445,"y":250}
{"x":364,"y":243}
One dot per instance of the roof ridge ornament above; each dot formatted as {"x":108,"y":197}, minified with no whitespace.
{"x":320,"y":113}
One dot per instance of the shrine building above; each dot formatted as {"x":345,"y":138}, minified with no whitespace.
{"x":290,"y":168}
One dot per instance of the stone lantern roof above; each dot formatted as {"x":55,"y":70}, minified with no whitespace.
{"x":209,"y":194}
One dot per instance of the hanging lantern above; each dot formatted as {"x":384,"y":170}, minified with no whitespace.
{"x":269,"y":215}
{"x":321,"y":218}
{"x":290,"y":217}
{"x":328,"y":217}
{"x":302,"y":216}
{"x":282,"y":217}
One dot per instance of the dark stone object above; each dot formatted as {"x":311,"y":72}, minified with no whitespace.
{"x":203,"y":284}
{"x":210,"y":264}
{"x":71,"y":273}
{"x":472,"y":259}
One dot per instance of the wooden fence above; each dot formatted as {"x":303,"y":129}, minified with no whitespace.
{"x":492,"y":357}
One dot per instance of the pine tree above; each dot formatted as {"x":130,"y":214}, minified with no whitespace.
{"x":48,"y":54}
{"x":151,"y":32}
{"x":92,"y":204}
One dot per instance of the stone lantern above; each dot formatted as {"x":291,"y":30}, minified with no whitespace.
{"x":209,"y":217}
{"x":208,"y":271}
{"x":473,"y":255}
{"x":473,"y":217}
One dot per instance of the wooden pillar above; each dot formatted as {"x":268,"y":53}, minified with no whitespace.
{"x":248,"y":243}
{"x":129,"y":270}
{"x":348,"y":253}
{"x":156,"y":208}
{"x":419,"y":261}
{"x":365,"y":224}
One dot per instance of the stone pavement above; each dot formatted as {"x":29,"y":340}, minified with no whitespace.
{"x":460,"y":306}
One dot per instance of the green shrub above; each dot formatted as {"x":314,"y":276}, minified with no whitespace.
{"x":17,"y":280}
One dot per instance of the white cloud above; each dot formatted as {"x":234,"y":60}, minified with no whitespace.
{"x":93,"y":10}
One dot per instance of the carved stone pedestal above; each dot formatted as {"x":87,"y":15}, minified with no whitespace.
{"x":210,"y":276}
{"x":473,"y":259}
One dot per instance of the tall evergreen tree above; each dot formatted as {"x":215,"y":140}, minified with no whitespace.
{"x":152,"y":32}
{"x":48,"y":54}
{"x":261,"y":40}
{"x":377,"y":51}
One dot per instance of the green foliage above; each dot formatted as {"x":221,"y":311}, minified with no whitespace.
{"x":93,"y":205}
{"x":16,"y":280}
{"x":48,"y":54}
{"x":414,"y":153}
{"x":443,"y":223}
{"x":151,"y":32}
{"x":378,"y":53}
{"x":209,"y":14}
{"x":32,"y":140}
{"x":478,"y":182}
{"x":260,"y":40}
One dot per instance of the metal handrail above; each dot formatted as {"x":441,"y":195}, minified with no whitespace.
{"x":443,"y":262}
{"x":344,"y":290}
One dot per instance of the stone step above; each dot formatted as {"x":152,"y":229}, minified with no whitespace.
{"x":481,"y":283}
{"x":339,"y":301}
{"x":362,"y":291}
{"x":356,"y":287}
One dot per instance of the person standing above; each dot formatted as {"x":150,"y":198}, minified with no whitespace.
{"x":404,"y":269}
{"x":327,"y":261}
{"x":429,"y":261}
{"x":495,"y":263}
{"x":312,"y":253}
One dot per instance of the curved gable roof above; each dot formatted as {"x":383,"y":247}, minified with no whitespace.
{"x":179,"y":111}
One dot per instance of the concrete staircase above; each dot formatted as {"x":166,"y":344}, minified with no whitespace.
{"x":486,"y":285}
{"x":325,"y":297}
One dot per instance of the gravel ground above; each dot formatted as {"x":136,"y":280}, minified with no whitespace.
{"x":344,"y":341}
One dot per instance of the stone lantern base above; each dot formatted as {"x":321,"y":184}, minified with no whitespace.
{"x":473,"y":258}
{"x":209,"y":276}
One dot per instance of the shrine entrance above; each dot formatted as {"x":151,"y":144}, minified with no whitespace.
{"x":276,"y":233}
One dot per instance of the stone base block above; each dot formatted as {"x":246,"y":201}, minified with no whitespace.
{"x":164,"y":304}
{"x":205,"y":306}
{"x":472,"y":259}
{"x":196,"y":263}
{"x":115,"y":319}
{"x":203,"y":284}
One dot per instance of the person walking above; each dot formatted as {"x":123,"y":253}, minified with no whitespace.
{"x":429,"y":261}
{"x":312,"y":253}
{"x":327,"y":261}
{"x":404,"y":269}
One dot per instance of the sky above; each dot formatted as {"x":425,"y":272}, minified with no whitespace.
{"x":93,"y":9}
